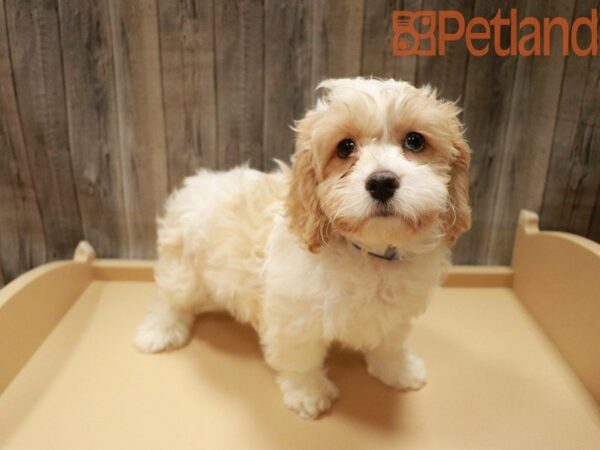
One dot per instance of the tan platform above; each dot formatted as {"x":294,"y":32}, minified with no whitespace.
{"x":72,"y":380}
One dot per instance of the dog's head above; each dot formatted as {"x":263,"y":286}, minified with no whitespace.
{"x":379,"y":161}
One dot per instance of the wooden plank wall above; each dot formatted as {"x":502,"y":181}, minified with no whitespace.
{"x":106,"y":105}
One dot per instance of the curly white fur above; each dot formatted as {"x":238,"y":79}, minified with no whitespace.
{"x":229,"y":241}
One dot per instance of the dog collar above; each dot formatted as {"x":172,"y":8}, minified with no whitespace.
{"x":390,"y":254}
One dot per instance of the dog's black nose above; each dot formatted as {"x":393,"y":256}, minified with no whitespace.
{"x":382,"y":185}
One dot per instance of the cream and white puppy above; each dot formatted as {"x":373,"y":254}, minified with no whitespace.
{"x":346,"y":247}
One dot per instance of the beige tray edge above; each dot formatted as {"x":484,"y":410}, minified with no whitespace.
{"x":557,"y":278}
{"x":59,"y":284}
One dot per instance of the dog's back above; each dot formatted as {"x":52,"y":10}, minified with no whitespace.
{"x":212,"y":237}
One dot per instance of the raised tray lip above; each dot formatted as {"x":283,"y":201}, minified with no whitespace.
{"x":529,"y":224}
{"x":106,"y":269}
{"x":143,"y":271}
{"x":12,"y":288}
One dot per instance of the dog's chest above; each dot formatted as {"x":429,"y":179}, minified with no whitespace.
{"x":348,"y":296}
{"x":363,"y":305}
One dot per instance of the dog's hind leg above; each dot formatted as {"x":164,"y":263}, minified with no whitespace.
{"x":179,"y":298}
{"x":163,"y":328}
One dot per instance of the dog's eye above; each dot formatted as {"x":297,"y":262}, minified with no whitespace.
{"x":415,"y":142}
{"x":345,"y":148}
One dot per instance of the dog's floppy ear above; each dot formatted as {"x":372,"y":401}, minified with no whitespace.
{"x":457,"y":218}
{"x":306,"y":219}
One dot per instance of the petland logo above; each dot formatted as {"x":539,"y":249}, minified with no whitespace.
{"x":415,"y":34}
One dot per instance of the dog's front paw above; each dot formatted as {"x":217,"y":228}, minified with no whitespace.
{"x":407,"y":373}
{"x":307,"y":394}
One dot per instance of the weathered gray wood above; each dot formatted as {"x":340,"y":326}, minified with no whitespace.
{"x":240,"y":41}
{"x":289,"y":85}
{"x":33,"y":32}
{"x":447,"y":73}
{"x":188,"y":79}
{"x":594,"y":228}
{"x":93,"y":123}
{"x":377,"y":37}
{"x":593,"y":231}
{"x":337,"y":39}
{"x":152,"y":90}
{"x":486,"y":103}
{"x":526,"y":154}
{"x":2,"y":277}
{"x":134,"y":28}
{"x":23,"y":243}
{"x":573,"y":177}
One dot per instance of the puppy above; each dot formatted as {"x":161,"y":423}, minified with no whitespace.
{"x":346,"y":246}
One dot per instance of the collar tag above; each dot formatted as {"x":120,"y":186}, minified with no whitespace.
{"x":390,"y":254}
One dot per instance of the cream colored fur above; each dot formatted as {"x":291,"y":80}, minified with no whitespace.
{"x":275,"y":249}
